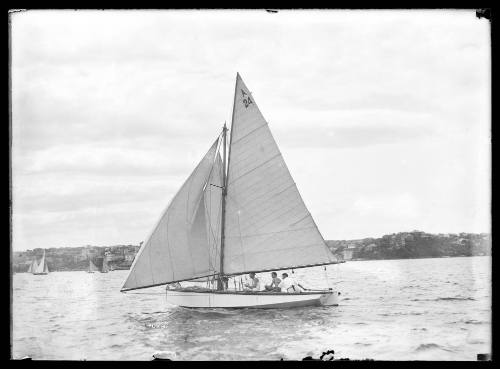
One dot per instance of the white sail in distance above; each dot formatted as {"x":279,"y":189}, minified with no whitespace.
{"x":42,"y":267}
{"x":267,"y":224}
{"x":180,"y":246}
{"x":33,"y":266}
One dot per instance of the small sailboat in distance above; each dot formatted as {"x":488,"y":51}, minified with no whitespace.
{"x":105,"y":267}
{"x":233,"y":217}
{"x":92,"y":268}
{"x":42,"y":268}
{"x":33,"y":266}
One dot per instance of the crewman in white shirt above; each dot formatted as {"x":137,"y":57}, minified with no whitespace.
{"x":289,"y":285}
{"x":254,"y":284}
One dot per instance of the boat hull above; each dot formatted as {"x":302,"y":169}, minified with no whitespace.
{"x":255,"y":300}
{"x":40,"y":273}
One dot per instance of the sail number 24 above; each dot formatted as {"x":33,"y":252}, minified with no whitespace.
{"x":247,"y":101}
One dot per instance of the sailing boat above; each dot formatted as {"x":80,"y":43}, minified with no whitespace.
{"x":33,"y":266}
{"x":42,"y":268}
{"x":105,"y":267}
{"x":92,"y":268}
{"x":229,"y":220}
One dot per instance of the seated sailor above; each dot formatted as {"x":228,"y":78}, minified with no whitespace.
{"x":288,"y":284}
{"x":253,"y":285}
{"x":275,"y":281}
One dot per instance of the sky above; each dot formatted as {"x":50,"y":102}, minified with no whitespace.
{"x":383,"y":117}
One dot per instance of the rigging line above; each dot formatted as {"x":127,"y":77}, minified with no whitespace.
{"x":210,"y":251}
{"x":326,"y":277}
{"x":217,"y":150}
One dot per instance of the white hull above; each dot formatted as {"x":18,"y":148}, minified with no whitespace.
{"x":256,"y":300}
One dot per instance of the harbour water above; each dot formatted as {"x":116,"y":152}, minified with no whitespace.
{"x":420,"y":309}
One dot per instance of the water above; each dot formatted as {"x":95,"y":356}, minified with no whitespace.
{"x":425,"y":309}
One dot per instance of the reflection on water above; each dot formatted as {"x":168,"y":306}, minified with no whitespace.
{"x":426,"y":309}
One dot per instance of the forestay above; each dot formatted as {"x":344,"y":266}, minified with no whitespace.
{"x":186,"y":236}
{"x":267,"y":225}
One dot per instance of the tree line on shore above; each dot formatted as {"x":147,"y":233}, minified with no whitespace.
{"x":403,"y":245}
{"x":415,"y":244}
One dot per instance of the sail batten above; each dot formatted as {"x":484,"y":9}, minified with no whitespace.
{"x":267,"y":225}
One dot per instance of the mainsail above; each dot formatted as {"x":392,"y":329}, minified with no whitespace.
{"x":267,"y":225}
{"x":187,"y":235}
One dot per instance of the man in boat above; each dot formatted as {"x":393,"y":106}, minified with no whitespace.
{"x":222,"y":283}
{"x":253,"y":285}
{"x":288,"y":284}
{"x":275,"y":281}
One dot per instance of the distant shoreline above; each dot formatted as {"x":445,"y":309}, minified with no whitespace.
{"x":403,"y":245}
{"x":345,"y":261}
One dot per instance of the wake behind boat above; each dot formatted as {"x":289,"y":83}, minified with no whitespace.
{"x":232,"y":219}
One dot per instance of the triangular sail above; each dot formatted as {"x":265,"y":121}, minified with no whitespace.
{"x":41,"y":267}
{"x":33,"y":266}
{"x":267,"y":225}
{"x":178,"y":247}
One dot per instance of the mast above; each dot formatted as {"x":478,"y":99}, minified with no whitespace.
{"x":224,"y":186}
{"x":224,"y":192}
